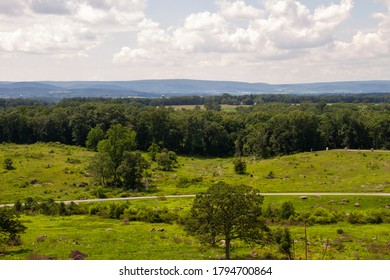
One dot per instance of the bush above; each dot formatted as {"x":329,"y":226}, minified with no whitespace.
{"x":8,"y":164}
{"x":239,"y":166}
{"x":116,"y":211}
{"x":323,"y":216}
{"x":131,"y":214}
{"x":99,"y":193}
{"x":185,"y":182}
{"x":283,"y":238}
{"x":374,"y":218}
{"x":287,"y":210}
{"x":356,"y":218}
{"x":166,"y":160}
{"x":94,"y":209}
{"x":271,"y":175}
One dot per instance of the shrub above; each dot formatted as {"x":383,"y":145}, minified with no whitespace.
{"x":287,"y":210}
{"x":153,"y":150}
{"x":73,"y":161}
{"x":94,"y":209}
{"x":18,"y":206}
{"x":356,"y":218}
{"x":116,"y":211}
{"x":8,"y":164}
{"x":99,"y":193}
{"x":239,"y":166}
{"x":24,"y":185}
{"x":374,"y":218}
{"x":283,"y":238}
{"x":185,"y":182}
{"x":271,"y":175}
{"x":323,"y":216}
{"x":166,"y":160}
{"x":130,"y":213}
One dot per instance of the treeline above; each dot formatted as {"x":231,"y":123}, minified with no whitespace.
{"x":228,"y":99}
{"x":265,"y":129}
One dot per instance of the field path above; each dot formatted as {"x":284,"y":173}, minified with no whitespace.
{"x":193,"y":195}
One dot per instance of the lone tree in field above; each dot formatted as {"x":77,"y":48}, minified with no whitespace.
{"x":239,"y":165}
{"x":227,"y":212}
{"x":119,"y":140}
{"x":10,"y":226}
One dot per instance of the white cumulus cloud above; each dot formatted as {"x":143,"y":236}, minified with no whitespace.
{"x":60,"y":27}
{"x":238,"y":10}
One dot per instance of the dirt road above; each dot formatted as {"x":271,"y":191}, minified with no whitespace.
{"x":193,"y":195}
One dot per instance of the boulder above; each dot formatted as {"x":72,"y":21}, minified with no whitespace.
{"x":77,"y":255}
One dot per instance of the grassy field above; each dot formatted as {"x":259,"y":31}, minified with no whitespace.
{"x":57,"y":171}
{"x":43,"y":171}
{"x":101,"y":238}
{"x":325,"y":171}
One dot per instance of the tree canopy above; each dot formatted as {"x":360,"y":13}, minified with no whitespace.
{"x":227,"y":212}
{"x":10,"y":226}
{"x":274,"y":125}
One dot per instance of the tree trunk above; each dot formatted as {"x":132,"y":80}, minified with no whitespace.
{"x":227,"y":248}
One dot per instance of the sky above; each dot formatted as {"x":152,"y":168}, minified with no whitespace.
{"x":270,"y":41}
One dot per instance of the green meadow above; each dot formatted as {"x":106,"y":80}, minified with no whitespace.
{"x":101,"y":238}
{"x":56,"y":171}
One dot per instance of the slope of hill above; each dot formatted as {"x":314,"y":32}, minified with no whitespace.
{"x":324,"y":172}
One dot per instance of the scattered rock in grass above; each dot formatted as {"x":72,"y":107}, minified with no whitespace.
{"x":83,"y":184}
{"x":34,"y":181}
{"x":254,"y":254}
{"x":41,"y":238}
{"x":303,"y":197}
{"x":357,"y":204}
{"x":77,"y":255}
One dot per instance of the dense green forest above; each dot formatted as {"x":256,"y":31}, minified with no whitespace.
{"x":271,"y":125}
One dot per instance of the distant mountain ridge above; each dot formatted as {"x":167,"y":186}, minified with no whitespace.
{"x":178,"y":87}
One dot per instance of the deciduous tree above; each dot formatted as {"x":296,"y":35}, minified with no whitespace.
{"x":10,"y":226}
{"x":132,"y":168}
{"x":227,"y":212}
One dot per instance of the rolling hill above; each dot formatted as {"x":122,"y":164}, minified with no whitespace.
{"x":52,"y":90}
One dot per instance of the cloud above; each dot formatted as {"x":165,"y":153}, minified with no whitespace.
{"x":368,"y":44}
{"x":237,"y":10}
{"x":11,"y":7}
{"x":59,"y":38}
{"x":282,"y":29}
{"x":56,"y":7}
{"x":291,"y":25}
{"x":127,"y":54}
{"x":59,"y":27}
